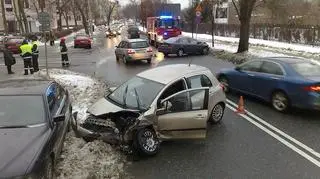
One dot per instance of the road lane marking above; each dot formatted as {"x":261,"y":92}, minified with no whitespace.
{"x":279,"y":131}
{"x":280,"y":139}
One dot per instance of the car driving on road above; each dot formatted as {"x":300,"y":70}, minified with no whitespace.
{"x":183,"y":45}
{"x":133,"y":50}
{"x":133,"y":32}
{"x":111,"y":33}
{"x":34,"y":119}
{"x":163,"y":103}
{"x":282,"y":81}
{"x":83,"y":41}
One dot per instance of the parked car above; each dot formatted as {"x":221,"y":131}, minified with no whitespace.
{"x":82,"y":41}
{"x":164,"y":103}
{"x":282,"y":81}
{"x":111,"y":33}
{"x":133,"y":32}
{"x":133,"y":50}
{"x":183,"y":45}
{"x":35,"y":117}
{"x":13,"y":43}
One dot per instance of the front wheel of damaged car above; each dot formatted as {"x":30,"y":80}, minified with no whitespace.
{"x":147,"y":142}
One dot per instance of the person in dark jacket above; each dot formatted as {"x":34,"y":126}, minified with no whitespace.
{"x":26,"y":53}
{"x":51,"y":38}
{"x":9,"y":59}
{"x":64,"y":53}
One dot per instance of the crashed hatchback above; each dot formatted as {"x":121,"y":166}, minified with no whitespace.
{"x":163,"y":103}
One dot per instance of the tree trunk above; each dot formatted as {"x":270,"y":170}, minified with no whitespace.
{"x":4,"y":19}
{"x":75,"y":17}
{"x":244,"y":35}
{"x":16,"y":13}
{"x":23,"y":15}
{"x":35,"y":7}
{"x":65,"y":15}
{"x":83,"y":17}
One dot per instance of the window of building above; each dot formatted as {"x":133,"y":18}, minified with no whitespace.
{"x":9,"y":9}
{"x":8,"y":1}
{"x":26,"y":4}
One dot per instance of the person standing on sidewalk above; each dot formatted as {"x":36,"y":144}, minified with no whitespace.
{"x":64,"y":53}
{"x":26,"y":53}
{"x":35,"y":54}
{"x":9,"y":59}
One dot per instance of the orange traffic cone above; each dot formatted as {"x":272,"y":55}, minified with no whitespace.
{"x":240,"y":108}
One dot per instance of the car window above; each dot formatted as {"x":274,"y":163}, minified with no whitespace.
{"x":120,"y":44}
{"x":199,"y":81}
{"x":307,"y":69}
{"x":173,"y":89}
{"x":252,"y":66}
{"x":136,"y":45}
{"x":183,"y":41}
{"x":192,"y":41}
{"x":54,"y":96}
{"x":271,"y":68}
{"x":186,"y":101}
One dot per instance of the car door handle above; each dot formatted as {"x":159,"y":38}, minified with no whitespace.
{"x":250,"y":74}
{"x":199,"y":116}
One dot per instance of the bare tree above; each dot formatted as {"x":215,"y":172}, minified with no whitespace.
{"x":82,"y":6}
{"x":244,"y":10}
{"x":23,"y":15}
{"x":34,"y":5}
{"x":111,"y":7}
{"x":4,"y":19}
{"x":18,"y":17}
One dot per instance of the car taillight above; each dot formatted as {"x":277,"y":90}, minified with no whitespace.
{"x":149,"y":49}
{"x":315,"y":88}
{"x":131,"y":51}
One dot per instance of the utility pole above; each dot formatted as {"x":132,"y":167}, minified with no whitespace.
{"x":90,"y":18}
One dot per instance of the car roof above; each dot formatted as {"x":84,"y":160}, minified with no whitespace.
{"x":136,"y":40}
{"x":285,"y":59}
{"x":24,"y":86}
{"x":168,"y":73}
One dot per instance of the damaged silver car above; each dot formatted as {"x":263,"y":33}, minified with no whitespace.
{"x":163,"y":103}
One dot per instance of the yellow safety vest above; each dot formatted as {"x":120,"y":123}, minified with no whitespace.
{"x":37,"y":50}
{"x":26,"y":48}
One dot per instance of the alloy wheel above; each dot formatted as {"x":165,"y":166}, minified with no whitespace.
{"x":280,"y":101}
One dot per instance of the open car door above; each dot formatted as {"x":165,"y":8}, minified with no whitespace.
{"x":184,"y":115}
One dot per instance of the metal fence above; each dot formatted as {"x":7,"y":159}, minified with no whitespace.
{"x":283,"y":33}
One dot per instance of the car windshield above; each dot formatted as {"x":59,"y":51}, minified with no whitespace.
{"x":82,"y":37}
{"x":307,"y":69}
{"x":20,"y":111}
{"x":168,"y":23}
{"x":141,"y":44}
{"x":137,"y":93}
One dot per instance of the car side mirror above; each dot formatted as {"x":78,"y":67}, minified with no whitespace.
{"x":59,"y":118}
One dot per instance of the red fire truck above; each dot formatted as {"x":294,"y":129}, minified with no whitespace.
{"x":162,"y":27}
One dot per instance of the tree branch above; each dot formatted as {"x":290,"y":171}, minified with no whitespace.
{"x":237,"y":9}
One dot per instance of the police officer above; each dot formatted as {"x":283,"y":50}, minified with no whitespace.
{"x":26,"y":53}
{"x":64,"y":53}
{"x":35,"y":54}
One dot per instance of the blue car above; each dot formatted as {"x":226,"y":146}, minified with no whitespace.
{"x":283,"y":81}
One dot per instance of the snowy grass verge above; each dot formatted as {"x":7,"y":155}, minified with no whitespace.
{"x":80,"y":159}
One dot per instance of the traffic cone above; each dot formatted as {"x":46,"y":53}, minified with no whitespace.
{"x":240,"y":109}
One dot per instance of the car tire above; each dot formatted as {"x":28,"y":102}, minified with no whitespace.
{"x":180,"y":52}
{"x":146,"y":142}
{"x":149,"y":61}
{"x":205,"y":51}
{"x":117,"y":58}
{"x":217,"y":113}
{"x":89,"y":47}
{"x":49,"y":171}
{"x":280,"y":101}
{"x":225,"y":82}
{"x":75,"y":46}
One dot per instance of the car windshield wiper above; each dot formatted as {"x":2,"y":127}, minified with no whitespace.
{"x":125,"y":96}
{"x":137,"y":98}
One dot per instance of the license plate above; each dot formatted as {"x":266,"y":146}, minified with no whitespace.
{"x":140,"y":51}
{"x":83,"y":41}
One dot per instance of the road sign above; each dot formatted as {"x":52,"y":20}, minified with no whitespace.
{"x":198,"y":13}
{"x":199,"y":8}
{"x":44,"y":19}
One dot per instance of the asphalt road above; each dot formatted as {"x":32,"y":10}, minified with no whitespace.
{"x":262,"y":144}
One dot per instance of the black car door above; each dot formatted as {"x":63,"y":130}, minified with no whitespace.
{"x":58,"y":103}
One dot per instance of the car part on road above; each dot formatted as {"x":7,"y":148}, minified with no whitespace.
{"x":180,"y":52}
{"x":280,"y":101}
{"x":217,"y":113}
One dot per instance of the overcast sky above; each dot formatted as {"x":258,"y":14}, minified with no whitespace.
{"x":184,"y":3}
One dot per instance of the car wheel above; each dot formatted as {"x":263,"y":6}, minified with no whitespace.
{"x":49,"y":172}
{"x":225,"y":82}
{"x":147,"y":142}
{"x":180,"y":52}
{"x":217,"y":113}
{"x":89,"y":47}
{"x":280,"y":101}
{"x":75,"y":46}
{"x":205,"y":51}
{"x":117,"y":58}
{"x":149,"y":61}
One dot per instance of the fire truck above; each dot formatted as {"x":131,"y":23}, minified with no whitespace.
{"x":165,"y":25}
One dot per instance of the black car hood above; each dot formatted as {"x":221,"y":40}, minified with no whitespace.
{"x":19,"y":147}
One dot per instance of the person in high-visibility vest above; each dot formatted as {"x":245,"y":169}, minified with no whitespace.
{"x":35,"y":54}
{"x":64,"y":53}
{"x":26,"y":53}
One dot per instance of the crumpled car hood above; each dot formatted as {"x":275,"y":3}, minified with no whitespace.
{"x":103,"y":106}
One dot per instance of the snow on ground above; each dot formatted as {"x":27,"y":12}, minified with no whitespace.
{"x":80,"y":159}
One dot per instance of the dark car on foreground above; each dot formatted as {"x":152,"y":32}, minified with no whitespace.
{"x":183,"y":45}
{"x":35,"y":116}
{"x":282,"y":81}
{"x":133,"y":32}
